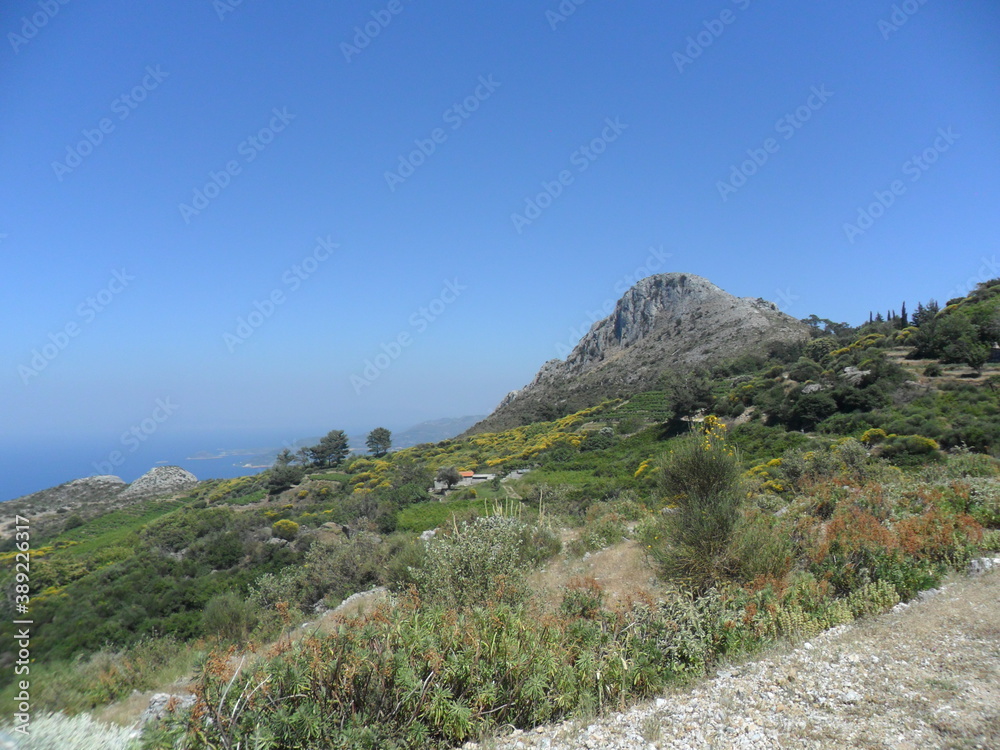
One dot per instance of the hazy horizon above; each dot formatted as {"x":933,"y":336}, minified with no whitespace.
{"x":32,"y":463}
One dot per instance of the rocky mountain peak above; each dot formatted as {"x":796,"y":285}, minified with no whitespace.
{"x":666,"y":321}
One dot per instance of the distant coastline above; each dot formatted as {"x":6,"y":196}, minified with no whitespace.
{"x":32,"y":465}
{"x":217,"y":454}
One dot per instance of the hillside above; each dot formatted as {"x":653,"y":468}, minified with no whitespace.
{"x":666,"y":322}
{"x":763,"y":496}
{"x":91,"y":497}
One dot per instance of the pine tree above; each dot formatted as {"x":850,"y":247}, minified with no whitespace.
{"x":332,"y":449}
{"x":379,"y":441}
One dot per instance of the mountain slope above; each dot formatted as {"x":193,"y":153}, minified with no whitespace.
{"x":668,"y":321}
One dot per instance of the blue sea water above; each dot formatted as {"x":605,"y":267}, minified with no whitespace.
{"x":31,"y":464}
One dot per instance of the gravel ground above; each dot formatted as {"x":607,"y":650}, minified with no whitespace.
{"x":925,"y":675}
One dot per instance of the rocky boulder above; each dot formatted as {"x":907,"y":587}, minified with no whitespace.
{"x":161,"y":480}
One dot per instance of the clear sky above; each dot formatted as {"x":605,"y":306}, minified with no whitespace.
{"x":234,"y":207}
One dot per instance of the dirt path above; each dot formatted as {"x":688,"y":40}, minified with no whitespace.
{"x":925,"y":675}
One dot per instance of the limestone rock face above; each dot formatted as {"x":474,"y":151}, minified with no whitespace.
{"x":161,"y":480}
{"x":667,"y":321}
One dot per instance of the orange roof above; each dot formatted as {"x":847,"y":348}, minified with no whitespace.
{"x":467,"y":473}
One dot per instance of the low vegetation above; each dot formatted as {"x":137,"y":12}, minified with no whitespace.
{"x":773,"y":495}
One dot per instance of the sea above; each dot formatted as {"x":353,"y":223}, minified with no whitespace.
{"x":30,"y":464}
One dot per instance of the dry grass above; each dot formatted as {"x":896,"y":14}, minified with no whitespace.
{"x":621,"y":570}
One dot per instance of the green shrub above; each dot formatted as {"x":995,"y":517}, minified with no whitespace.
{"x":415,"y":675}
{"x":482,"y":561}
{"x":582,"y":597}
{"x":810,"y":409}
{"x":601,"y":530}
{"x":991,"y":540}
{"x":984,"y":504}
{"x":228,"y":617}
{"x":847,"y":459}
{"x":963,"y":463}
{"x":700,"y":467}
{"x":406,"y":555}
{"x":628,"y":425}
{"x":330,"y":572}
{"x":908,"y":449}
{"x":805,"y":369}
{"x":285,"y":529}
{"x":703,"y":477}
{"x":600,"y":440}
{"x":761,"y":547}
{"x":281,"y":478}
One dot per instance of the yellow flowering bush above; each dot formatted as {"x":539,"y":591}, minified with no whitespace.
{"x":874,"y":435}
{"x":285,"y":529}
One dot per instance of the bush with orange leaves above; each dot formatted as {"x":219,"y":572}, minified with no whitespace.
{"x":855,"y":548}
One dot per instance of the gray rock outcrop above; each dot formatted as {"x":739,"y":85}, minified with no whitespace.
{"x":667,"y":321}
{"x":161,"y":480}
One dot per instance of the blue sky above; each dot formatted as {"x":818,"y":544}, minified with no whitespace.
{"x":460,"y":192}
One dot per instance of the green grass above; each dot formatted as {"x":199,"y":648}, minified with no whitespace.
{"x":333,"y":476}
{"x":421,"y":517}
{"x":253,"y":497}
{"x":113,"y":528}
{"x":571,"y":477}
{"x":650,"y":405}
{"x":81,"y":684}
